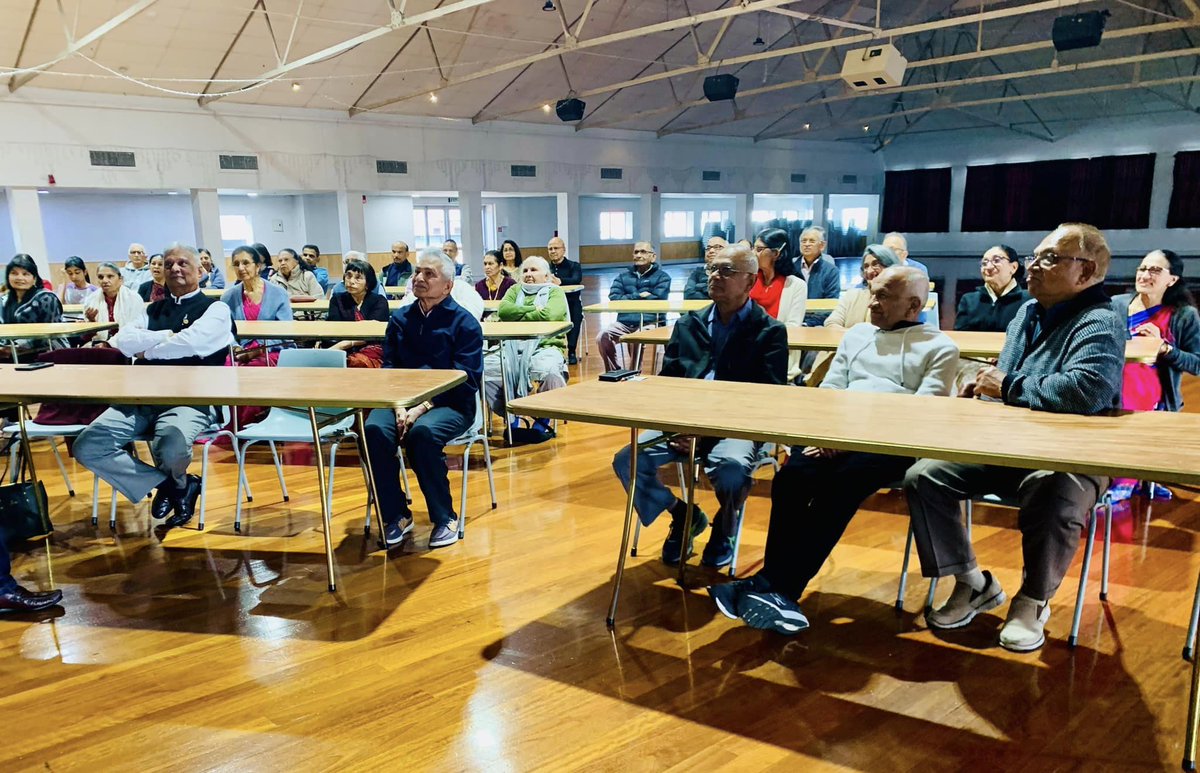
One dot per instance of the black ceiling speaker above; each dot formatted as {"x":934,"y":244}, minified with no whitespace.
{"x":720,"y":87}
{"x":1081,"y":30}
{"x":570,"y":109}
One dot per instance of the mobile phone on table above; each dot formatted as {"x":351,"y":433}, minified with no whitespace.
{"x":33,"y":365}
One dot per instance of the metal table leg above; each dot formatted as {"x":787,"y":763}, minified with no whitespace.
{"x":1193,"y":718}
{"x":322,"y":493}
{"x":633,"y":457}
{"x":690,"y":509}
{"x":368,"y":470}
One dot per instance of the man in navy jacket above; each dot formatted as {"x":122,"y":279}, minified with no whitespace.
{"x":644,"y":281}
{"x":818,"y":270}
{"x":434,"y":333}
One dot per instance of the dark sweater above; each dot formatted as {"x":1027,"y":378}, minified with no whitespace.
{"x":1185,"y":349}
{"x":449,"y":338}
{"x":374,"y":307}
{"x":756,"y":352}
{"x":977,"y":311}
{"x":569,"y":272}
{"x":166,"y":314}
{"x":395,"y":274}
{"x":696,"y":288}
{"x":629,"y":286}
{"x":824,"y":281}
{"x":1066,"y":359}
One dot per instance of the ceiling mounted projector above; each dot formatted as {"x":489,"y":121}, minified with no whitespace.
{"x":720,"y":87}
{"x":877,"y":67}
{"x":1080,"y":30}
{"x":570,"y":109}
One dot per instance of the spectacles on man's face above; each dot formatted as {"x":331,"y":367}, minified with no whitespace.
{"x":1153,"y":271}
{"x":723,"y":271}
{"x":988,"y":262}
{"x":1048,"y":259}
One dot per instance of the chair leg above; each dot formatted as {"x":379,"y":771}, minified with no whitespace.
{"x":204,"y":484}
{"x":968,"y":513}
{"x":95,"y":501}
{"x":13,"y":471}
{"x":487,"y":460}
{"x":61,"y":467}
{"x":1083,"y":578}
{"x":404,"y":476}
{"x":1189,"y":644}
{"x":240,"y":453}
{"x":279,"y":469}
{"x":637,"y":532}
{"x":737,"y":540}
{"x":932,"y":592}
{"x":904,"y":570}
{"x":112,"y":512}
{"x":1106,"y":506}
{"x":462,"y":503}
{"x":329,"y":489}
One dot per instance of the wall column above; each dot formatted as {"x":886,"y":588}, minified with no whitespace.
{"x":568,"y":222}
{"x":352,"y":221}
{"x":470,"y":250}
{"x":650,"y":221}
{"x":820,"y":210}
{"x":206,"y":219}
{"x":25,"y":214}
{"x":743,"y":204}
{"x":958,"y":192}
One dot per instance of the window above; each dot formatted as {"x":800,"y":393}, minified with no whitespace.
{"x":616,"y":226}
{"x":679,"y":224}
{"x":717,"y":216}
{"x":434,"y":225}
{"x":236,"y":231}
{"x":763,"y":215}
{"x":855,"y":217}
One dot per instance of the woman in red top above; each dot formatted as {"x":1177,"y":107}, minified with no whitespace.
{"x":777,"y":289}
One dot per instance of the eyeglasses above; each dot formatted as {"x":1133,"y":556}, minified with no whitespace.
{"x":1050,"y":259}
{"x":1154,"y":271}
{"x":996,"y":261}
{"x":722,"y":271}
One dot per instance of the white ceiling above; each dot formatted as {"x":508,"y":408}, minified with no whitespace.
{"x":194,"y":46}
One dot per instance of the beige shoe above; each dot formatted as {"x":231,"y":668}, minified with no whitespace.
{"x":1025,"y":629}
{"x":965,"y":603}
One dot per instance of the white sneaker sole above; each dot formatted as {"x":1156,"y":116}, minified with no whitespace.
{"x":984,"y":606}
{"x":1027,"y":646}
{"x":403,"y":535}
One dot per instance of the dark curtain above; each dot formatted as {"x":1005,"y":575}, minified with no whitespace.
{"x":1185,"y":193}
{"x":917,"y":201}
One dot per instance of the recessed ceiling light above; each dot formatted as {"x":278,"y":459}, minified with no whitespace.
{"x":44,"y":193}
{"x":295,"y":86}
{"x":807,"y":126}
{"x":433,"y":98}
{"x":549,"y":6}
{"x":172,"y":193}
{"x":866,"y":127}
{"x":545,"y":108}
{"x":252,"y":195}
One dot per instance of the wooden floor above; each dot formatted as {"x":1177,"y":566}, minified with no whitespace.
{"x":215,"y":650}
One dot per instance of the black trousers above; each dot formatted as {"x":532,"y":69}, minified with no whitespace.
{"x":812,"y":502}
{"x":575,"y":308}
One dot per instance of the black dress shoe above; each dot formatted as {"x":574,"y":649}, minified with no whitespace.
{"x":20,"y":600}
{"x":573,"y":360}
{"x":164,"y":499}
{"x":185,"y":503}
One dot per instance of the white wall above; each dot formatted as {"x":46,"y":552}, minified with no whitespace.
{"x":100,"y":226}
{"x":529,"y":221}
{"x":389,"y":219}
{"x":320,"y":213}
{"x":7,"y":247}
{"x":266,"y":212}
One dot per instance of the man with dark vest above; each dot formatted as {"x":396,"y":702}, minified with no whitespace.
{"x":185,"y":328}
{"x":567,"y":272}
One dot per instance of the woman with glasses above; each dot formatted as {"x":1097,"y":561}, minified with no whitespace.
{"x":1160,"y":308}
{"x":994,"y":304}
{"x":777,"y":288}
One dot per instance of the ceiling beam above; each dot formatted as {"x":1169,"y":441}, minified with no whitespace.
{"x":942,"y":23}
{"x":25,"y":37}
{"x":1019,"y":48}
{"x":949,"y":105}
{"x":217,"y":70}
{"x":17,"y":81}
{"x":398,"y":22}
{"x":411,"y":37}
{"x":747,"y":6}
{"x":832,"y":22}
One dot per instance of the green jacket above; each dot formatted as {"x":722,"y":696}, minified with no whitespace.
{"x":518,"y":307}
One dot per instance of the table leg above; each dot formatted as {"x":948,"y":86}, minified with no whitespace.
{"x":12,"y":345}
{"x":690,"y":486}
{"x":321,"y":492}
{"x":361,"y":427}
{"x":633,"y":455}
{"x":1193,"y":718}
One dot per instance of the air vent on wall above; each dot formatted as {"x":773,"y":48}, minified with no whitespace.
{"x":710,"y":176}
{"x":240,"y":163}
{"x":849,"y":179}
{"x":799,"y":178}
{"x":112,"y":158}
{"x":523,"y":170}
{"x":610,"y":173}
{"x":383,"y":166}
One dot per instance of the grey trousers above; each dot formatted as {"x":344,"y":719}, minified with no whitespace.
{"x":1054,"y":508}
{"x":172,"y":430}
{"x":608,"y":341}
{"x":546,"y":367}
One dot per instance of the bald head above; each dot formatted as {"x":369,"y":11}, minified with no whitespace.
{"x":898,"y":295}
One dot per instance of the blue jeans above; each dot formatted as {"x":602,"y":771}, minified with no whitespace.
{"x":426,"y":445}
{"x":727,"y":463}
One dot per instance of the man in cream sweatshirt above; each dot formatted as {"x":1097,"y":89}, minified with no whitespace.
{"x":816,"y":494}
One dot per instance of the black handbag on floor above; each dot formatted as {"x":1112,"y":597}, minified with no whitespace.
{"x":20,"y":516}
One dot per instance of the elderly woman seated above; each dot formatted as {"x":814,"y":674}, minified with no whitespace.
{"x":359,"y":302}
{"x":113,"y":302}
{"x":543,"y":361}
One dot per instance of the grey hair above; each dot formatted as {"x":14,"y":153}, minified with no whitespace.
{"x":536,"y":260}
{"x":914,"y":279}
{"x":742,"y":256}
{"x":435,"y":255}
{"x":353,"y":255}
{"x":108,"y":265}
{"x":179,"y":247}
{"x":896,"y":235}
{"x":816,"y":229}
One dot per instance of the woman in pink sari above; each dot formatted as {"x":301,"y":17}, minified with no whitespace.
{"x":1161,"y":308}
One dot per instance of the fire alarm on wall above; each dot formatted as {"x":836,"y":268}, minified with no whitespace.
{"x":50,"y":180}
{"x":654,"y":189}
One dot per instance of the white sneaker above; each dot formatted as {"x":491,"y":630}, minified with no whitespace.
{"x":965,"y":602}
{"x":1025,"y":629}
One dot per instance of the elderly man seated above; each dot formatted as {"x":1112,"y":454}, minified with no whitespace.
{"x":535,"y":299}
{"x":432,"y":332}
{"x":696,"y":288}
{"x":185,"y":328}
{"x":644,"y":281}
{"x":1064,"y":352}
{"x":816,"y":494}
{"x":732,"y":340}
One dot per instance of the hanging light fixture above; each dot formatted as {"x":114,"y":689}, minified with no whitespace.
{"x":549,"y":6}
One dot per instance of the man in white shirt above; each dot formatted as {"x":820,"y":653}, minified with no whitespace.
{"x":137,"y":271}
{"x":816,"y":494}
{"x":185,"y":328}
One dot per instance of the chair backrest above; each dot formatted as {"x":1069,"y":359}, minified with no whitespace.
{"x":312,"y":358}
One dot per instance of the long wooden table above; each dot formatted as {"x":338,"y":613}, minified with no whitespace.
{"x":1120,"y":445}
{"x":48,"y":330}
{"x":970,"y":343}
{"x":357,"y":391}
{"x":646,"y":307}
